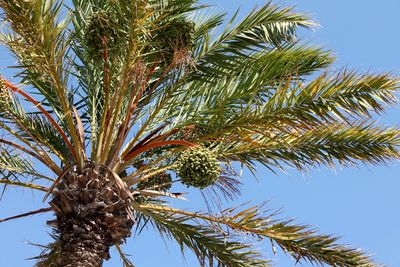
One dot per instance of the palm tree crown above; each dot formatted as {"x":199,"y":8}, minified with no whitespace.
{"x":117,"y":101}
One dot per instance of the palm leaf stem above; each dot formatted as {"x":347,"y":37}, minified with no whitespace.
{"x":106,"y":109}
{"x":130,"y":181}
{"x":54,"y":168}
{"x":153,"y":145}
{"x":24,"y":129}
{"x":123,"y":132}
{"x":45,"y":113}
{"x":24,"y":171}
{"x":27,"y":214}
{"x":26,"y":185}
{"x":152,"y":116}
{"x":49,"y":162}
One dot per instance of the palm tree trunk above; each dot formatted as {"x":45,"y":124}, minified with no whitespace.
{"x":83,"y":249}
{"x":93,"y":213}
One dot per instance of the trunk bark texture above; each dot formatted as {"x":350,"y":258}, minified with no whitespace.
{"x":93,"y":213}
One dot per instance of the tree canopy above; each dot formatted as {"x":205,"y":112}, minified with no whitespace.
{"x":136,"y":96}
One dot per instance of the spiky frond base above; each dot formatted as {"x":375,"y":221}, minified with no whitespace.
{"x":93,"y":213}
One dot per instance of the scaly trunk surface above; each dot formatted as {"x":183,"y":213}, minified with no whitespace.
{"x":93,"y":213}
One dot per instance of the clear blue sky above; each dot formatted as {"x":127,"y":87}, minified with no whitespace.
{"x":361,"y":204}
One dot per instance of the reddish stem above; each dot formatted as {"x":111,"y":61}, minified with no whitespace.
{"x":163,"y":136}
{"x":48,"y":116}
{"x":105,"y":58}
{"x":124,"y":129}
{"x":153,"y":145}
{"x":149,"y":136}
{"x":137,"y":98}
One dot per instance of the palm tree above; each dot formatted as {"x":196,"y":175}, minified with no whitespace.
{"x":116,"y":101}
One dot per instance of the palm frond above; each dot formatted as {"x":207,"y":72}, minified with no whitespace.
{"x":337,"y":97}
{"x":126,"y":262}
{"x":38,"y":39}
{"x":337,"y":143}
{"x":41,"y":130}
{"x":17,"y":170}
{"x":16,"y":109}
{"x":268,"y":27}
{"x":38,"y":151}
{"x":211,"y":246}
{"x":24,"y":185}
{"x":27,"y":151}
{"x":301,"y":242}
{"x":12,"y":164}
{"x":49,"y":257}
{"x":250,"y":99}
{"x":39,"y":211}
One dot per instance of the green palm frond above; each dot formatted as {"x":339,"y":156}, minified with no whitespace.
{"x":45,"y":133}
{"x":210,"y":245}
{"x":14,"y":165}
{"x":39,"y":128}
{"x":334,"y":97}
{"x":36,"y":128}
{"x":337,"y":143}
{"x":38,"y":40}
{"x":8,"y":182}
{"x":266,"y":28}
{"x":12,"y":162}
{"x":242,"y":100}
{"x":170,"y":9}
{"x":50,"y":253}
{"x":26,"y":146}
{"x":124,"y":257}
{"x":301,"y":242}
{"x":17,"y":170}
